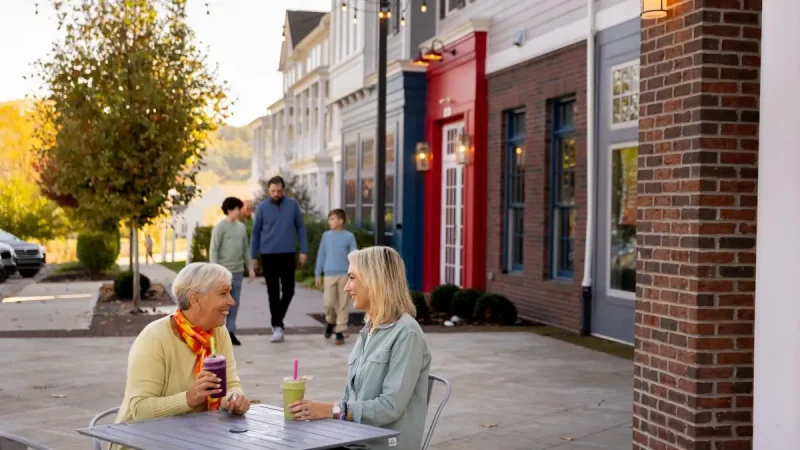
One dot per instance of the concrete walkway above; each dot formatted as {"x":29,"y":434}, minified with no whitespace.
{"x":511,"y":391}
{"x":50,"y":306}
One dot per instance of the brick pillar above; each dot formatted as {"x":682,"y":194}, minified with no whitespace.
{"x":698,"y":144}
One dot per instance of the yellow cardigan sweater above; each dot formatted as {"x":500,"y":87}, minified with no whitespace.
{"x":161,"y":370}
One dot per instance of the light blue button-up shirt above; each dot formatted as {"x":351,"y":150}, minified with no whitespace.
{"x":387,"y":382}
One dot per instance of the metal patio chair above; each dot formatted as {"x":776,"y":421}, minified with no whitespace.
{"x":431,"y":380}
{"x":95,"y":419}
{"x":10,"y":441}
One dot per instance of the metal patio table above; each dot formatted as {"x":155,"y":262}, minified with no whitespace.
{"x":262,"y":428}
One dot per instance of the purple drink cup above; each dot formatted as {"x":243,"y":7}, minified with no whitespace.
{"x":218,"y":365}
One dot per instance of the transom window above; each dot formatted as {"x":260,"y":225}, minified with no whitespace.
{"x":625,"y":94}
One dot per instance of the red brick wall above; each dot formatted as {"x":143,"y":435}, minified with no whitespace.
{"x":533,"y":85}
{"x":693,"y":381}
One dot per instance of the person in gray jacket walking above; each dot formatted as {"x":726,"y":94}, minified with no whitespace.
{"x":277,"y":228}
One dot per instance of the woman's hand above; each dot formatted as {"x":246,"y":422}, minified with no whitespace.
{"x":237,"y":404}
{"x":311,"y":410}
{"x":204,"y":385}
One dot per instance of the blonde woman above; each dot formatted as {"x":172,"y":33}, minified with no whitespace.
{"x":387,"y":379}
{"x":165,"y":376}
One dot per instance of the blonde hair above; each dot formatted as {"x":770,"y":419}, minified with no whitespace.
{"x":199,"y":277}
{"x":383,"y":273}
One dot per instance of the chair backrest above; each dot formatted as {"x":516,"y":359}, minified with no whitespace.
{"x":95,"y":419}
{"x":432,"y":379}
{"x":10,"y":441}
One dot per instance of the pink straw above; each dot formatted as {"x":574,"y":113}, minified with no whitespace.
{"x":294,"y":372}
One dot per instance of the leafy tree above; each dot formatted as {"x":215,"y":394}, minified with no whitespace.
{"x":294,"y":189}
{"x":23,"y":210}
{"x":128,"y":110}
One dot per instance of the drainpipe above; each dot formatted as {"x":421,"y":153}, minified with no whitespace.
{"x":586,"y":299}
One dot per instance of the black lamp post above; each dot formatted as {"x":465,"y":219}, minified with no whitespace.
{"x":380,"y":160}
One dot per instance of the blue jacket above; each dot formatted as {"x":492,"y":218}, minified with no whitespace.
{"x":276,"y":228}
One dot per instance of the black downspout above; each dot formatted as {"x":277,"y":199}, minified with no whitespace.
{"x":586,"y":311}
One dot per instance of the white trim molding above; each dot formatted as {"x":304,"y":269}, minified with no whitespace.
{"x":457,"y":32}
{"x":564,"y":36}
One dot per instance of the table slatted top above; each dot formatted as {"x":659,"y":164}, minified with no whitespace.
{"x":262,"y":428}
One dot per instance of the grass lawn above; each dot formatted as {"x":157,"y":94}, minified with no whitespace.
{"x":175,"y":266}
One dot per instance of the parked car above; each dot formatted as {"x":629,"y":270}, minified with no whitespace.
{"x":30,"y":258}
{"x":3,"y":274}
{"x":8,"y":259}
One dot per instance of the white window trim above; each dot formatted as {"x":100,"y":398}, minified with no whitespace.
{"x":631,"y":123}
{"x":449,"y":161}
{"x":610,"y":292}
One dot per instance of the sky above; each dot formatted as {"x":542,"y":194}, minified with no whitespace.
{"x":242,"y":36}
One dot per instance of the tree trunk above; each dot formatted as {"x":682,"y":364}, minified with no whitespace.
{"x":130,"y":250}
{"x":137,"y":295}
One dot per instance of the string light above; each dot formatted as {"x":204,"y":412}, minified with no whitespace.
{"x":424,"y":7}
{"x":208,"y":11}
{"x":355,"y":15}
{"x":402,"y":21}
{"x":36,"y":5}
{"x":344,"y":6}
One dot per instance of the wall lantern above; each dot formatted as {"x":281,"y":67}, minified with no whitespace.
{"x":432,"y":54}
{"x":463,"y":149}
{"x":420,"y":61}
{"x":654,"y":9}
{"x":423,"y":157}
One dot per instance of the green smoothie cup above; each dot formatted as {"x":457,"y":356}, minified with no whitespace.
{"x":293,"y":390}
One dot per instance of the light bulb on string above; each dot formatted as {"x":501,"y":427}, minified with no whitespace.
{"x":36,"y":5}
{"x":208,"y":11}
{"x":355,"y":16}
{"x":402,"y":21}
{"x":424,"y":7}
{"x":344,"y":6}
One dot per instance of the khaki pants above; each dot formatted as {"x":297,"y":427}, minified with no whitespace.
{"x":335,"y":302}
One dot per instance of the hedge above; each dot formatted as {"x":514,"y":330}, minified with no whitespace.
{"x":98,"y":251}
{"x":123,"y":285}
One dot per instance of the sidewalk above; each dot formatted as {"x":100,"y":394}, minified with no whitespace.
{"x":510,"y":391}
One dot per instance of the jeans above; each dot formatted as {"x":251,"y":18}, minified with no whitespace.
{"x":279,"y":273}
{"x":236,"y":292}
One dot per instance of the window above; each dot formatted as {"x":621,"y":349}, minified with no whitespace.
{"x":389,"y":148}
{"x":625,"y":94}
{"x":359,"y":181}
{"x":367,"y":154}
{"x":397,"y":11}
{"x":350,"y":180}
{"x":515,"y":191}
{"x":446,"y":7}
{"x":622,"y":231}
{"x":562,"y":190}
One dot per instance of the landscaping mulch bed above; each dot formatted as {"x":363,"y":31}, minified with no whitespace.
{"x":113,"y":317}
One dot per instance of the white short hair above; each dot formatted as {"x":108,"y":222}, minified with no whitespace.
{"x":199,"y":277}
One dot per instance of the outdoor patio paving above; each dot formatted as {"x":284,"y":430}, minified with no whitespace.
{"x":511,"y":390}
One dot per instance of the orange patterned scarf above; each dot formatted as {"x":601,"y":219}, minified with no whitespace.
{"x":199,"y":341}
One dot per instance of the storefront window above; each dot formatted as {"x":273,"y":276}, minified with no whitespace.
{"x":624,"y":180}
{"x":563,"y":190}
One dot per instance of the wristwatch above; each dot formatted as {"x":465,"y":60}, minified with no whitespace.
{"x":337,"y":411}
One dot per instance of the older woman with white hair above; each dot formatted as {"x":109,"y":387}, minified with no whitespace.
{"x":387,"y":379}
{"x":165,"y":376}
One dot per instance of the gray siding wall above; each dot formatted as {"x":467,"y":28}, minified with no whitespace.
{"x":419,"y":28}
{"x":536,"y":17}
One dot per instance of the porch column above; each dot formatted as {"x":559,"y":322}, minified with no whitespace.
{"x":777,"y":341}
{"x":696,"y":227}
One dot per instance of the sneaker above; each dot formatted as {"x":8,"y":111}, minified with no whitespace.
{"x":277,"y":334}
{"x":329,"y":331}
{"x":339,"y":339}
{"x":235,"y":341}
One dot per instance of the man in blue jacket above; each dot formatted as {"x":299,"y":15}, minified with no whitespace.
{"x":277,"y":227}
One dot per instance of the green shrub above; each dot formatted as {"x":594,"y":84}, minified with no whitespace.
{"x":464,"y":302}
{"x":442,"y":298}
{"x":98,"y":251}
{"x":201,"y":244}
{"x":123,"y":285}
{"x":495,"y":308}
{"x":421,"y":304}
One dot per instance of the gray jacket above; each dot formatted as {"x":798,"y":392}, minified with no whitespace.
{"x":387,"y":382}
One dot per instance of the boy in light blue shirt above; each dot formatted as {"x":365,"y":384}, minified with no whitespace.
{"x":332,"y":261}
